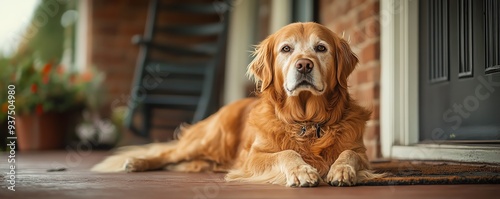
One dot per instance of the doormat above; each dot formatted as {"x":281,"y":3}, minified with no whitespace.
{"x":430,"y":172}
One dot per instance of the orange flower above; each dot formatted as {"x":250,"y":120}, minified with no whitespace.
{"x":34,"y":88}
{"x":5,"y":107}
{"x":39,"y":109}
{"x":87,"y":76}
{"x":60,"y":70}
{"x":46,"y":69}
{"x":45,"y":79}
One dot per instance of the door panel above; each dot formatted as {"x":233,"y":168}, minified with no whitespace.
{"x":438,"y":51}
{"x":492,"y":32}
{"x":459,"y":81}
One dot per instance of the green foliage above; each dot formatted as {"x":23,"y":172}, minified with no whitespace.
{"x":49,"y":87}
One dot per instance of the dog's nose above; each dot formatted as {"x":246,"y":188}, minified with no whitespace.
{"x":304,"y":66}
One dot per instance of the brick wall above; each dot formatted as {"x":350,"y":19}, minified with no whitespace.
{"x":114,"y":22}
{"x":359,"y":21}
{"x":112,"y":25}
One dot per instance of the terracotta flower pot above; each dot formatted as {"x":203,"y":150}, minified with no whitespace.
{"x":41,"y":132}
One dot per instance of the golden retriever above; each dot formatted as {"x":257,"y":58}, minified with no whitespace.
{"x":302,"y":129}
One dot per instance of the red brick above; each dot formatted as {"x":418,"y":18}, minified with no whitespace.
{"x":114,"y":23}
{"x":364,"y":75}
{"x":353,"y":79}
{"x":366,"y":94}
{"x":370,"y":53}
{"x":326,"y":16}
{"x":102,"y":28}
{"x":357,"y":37}
{"x":332,"y":11}
{"x":376,"y":91}
{"x":345,"y":28}
{"x":108,"y":59}
{"x":371,"y":10}
{"x":131,"y":30}
{"x":368,"y":74}
{"x":368,"y":31}
{"x":375,"y":111}
{"x":355,"y":3}
{"x":371,"y":151}
{"x":372,"y":28}
{"x":372,"y":132}
{"x":376,"y":73}
{"x":342,"y":6}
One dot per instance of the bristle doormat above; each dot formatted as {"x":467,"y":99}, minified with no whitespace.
{"x":429,"y":172}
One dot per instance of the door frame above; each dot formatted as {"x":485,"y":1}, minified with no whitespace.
{"x":399,"y":123}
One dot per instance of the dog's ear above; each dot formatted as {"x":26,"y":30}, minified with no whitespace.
{"x":261,"y":67}
{"x":346,"y":62}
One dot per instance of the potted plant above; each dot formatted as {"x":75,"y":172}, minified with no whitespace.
{"x":47,"y":99}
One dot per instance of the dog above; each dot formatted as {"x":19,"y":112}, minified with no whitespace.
{"x":302,"y":129}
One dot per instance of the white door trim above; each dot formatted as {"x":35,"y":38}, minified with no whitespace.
{"x":399,"y":74}
{"x":399,"y":93}
{"x":459,"y":153}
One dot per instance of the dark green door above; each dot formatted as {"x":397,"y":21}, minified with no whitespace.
{"x":459,"y":72}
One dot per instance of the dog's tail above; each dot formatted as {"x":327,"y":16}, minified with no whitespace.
{"x":116,"y":162}
{"x":365,"y":175}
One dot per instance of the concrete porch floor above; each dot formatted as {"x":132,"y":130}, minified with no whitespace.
{"x":33,"y":181}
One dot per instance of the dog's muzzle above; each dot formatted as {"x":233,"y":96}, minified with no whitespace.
{"x":302,"y":78}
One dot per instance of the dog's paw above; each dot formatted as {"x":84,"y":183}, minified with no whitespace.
{"x":302,"y":176}
{"x":135,"y":165}
{"x":341,"y":175}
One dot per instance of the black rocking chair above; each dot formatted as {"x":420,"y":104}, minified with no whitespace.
{"x":181,"y":61}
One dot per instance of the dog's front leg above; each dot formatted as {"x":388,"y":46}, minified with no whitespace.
{"x":297,"y":172}
{"x":285,"y":167}
{"x":344,"y":171}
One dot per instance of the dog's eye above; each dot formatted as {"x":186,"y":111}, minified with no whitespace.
{"x":320,"y":48}
{"x":285,"y":49}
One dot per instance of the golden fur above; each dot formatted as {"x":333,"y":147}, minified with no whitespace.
{"x":258,"y":139}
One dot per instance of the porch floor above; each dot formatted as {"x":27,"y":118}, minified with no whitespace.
{"x":33,"y":181}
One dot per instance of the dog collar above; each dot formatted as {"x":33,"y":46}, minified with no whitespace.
{"x":303,"y":130}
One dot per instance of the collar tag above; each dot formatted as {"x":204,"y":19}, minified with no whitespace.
{"x":318,"y":130}
{"x":302,"y":131}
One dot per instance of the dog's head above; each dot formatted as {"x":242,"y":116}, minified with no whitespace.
{"x":302,"y":57}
